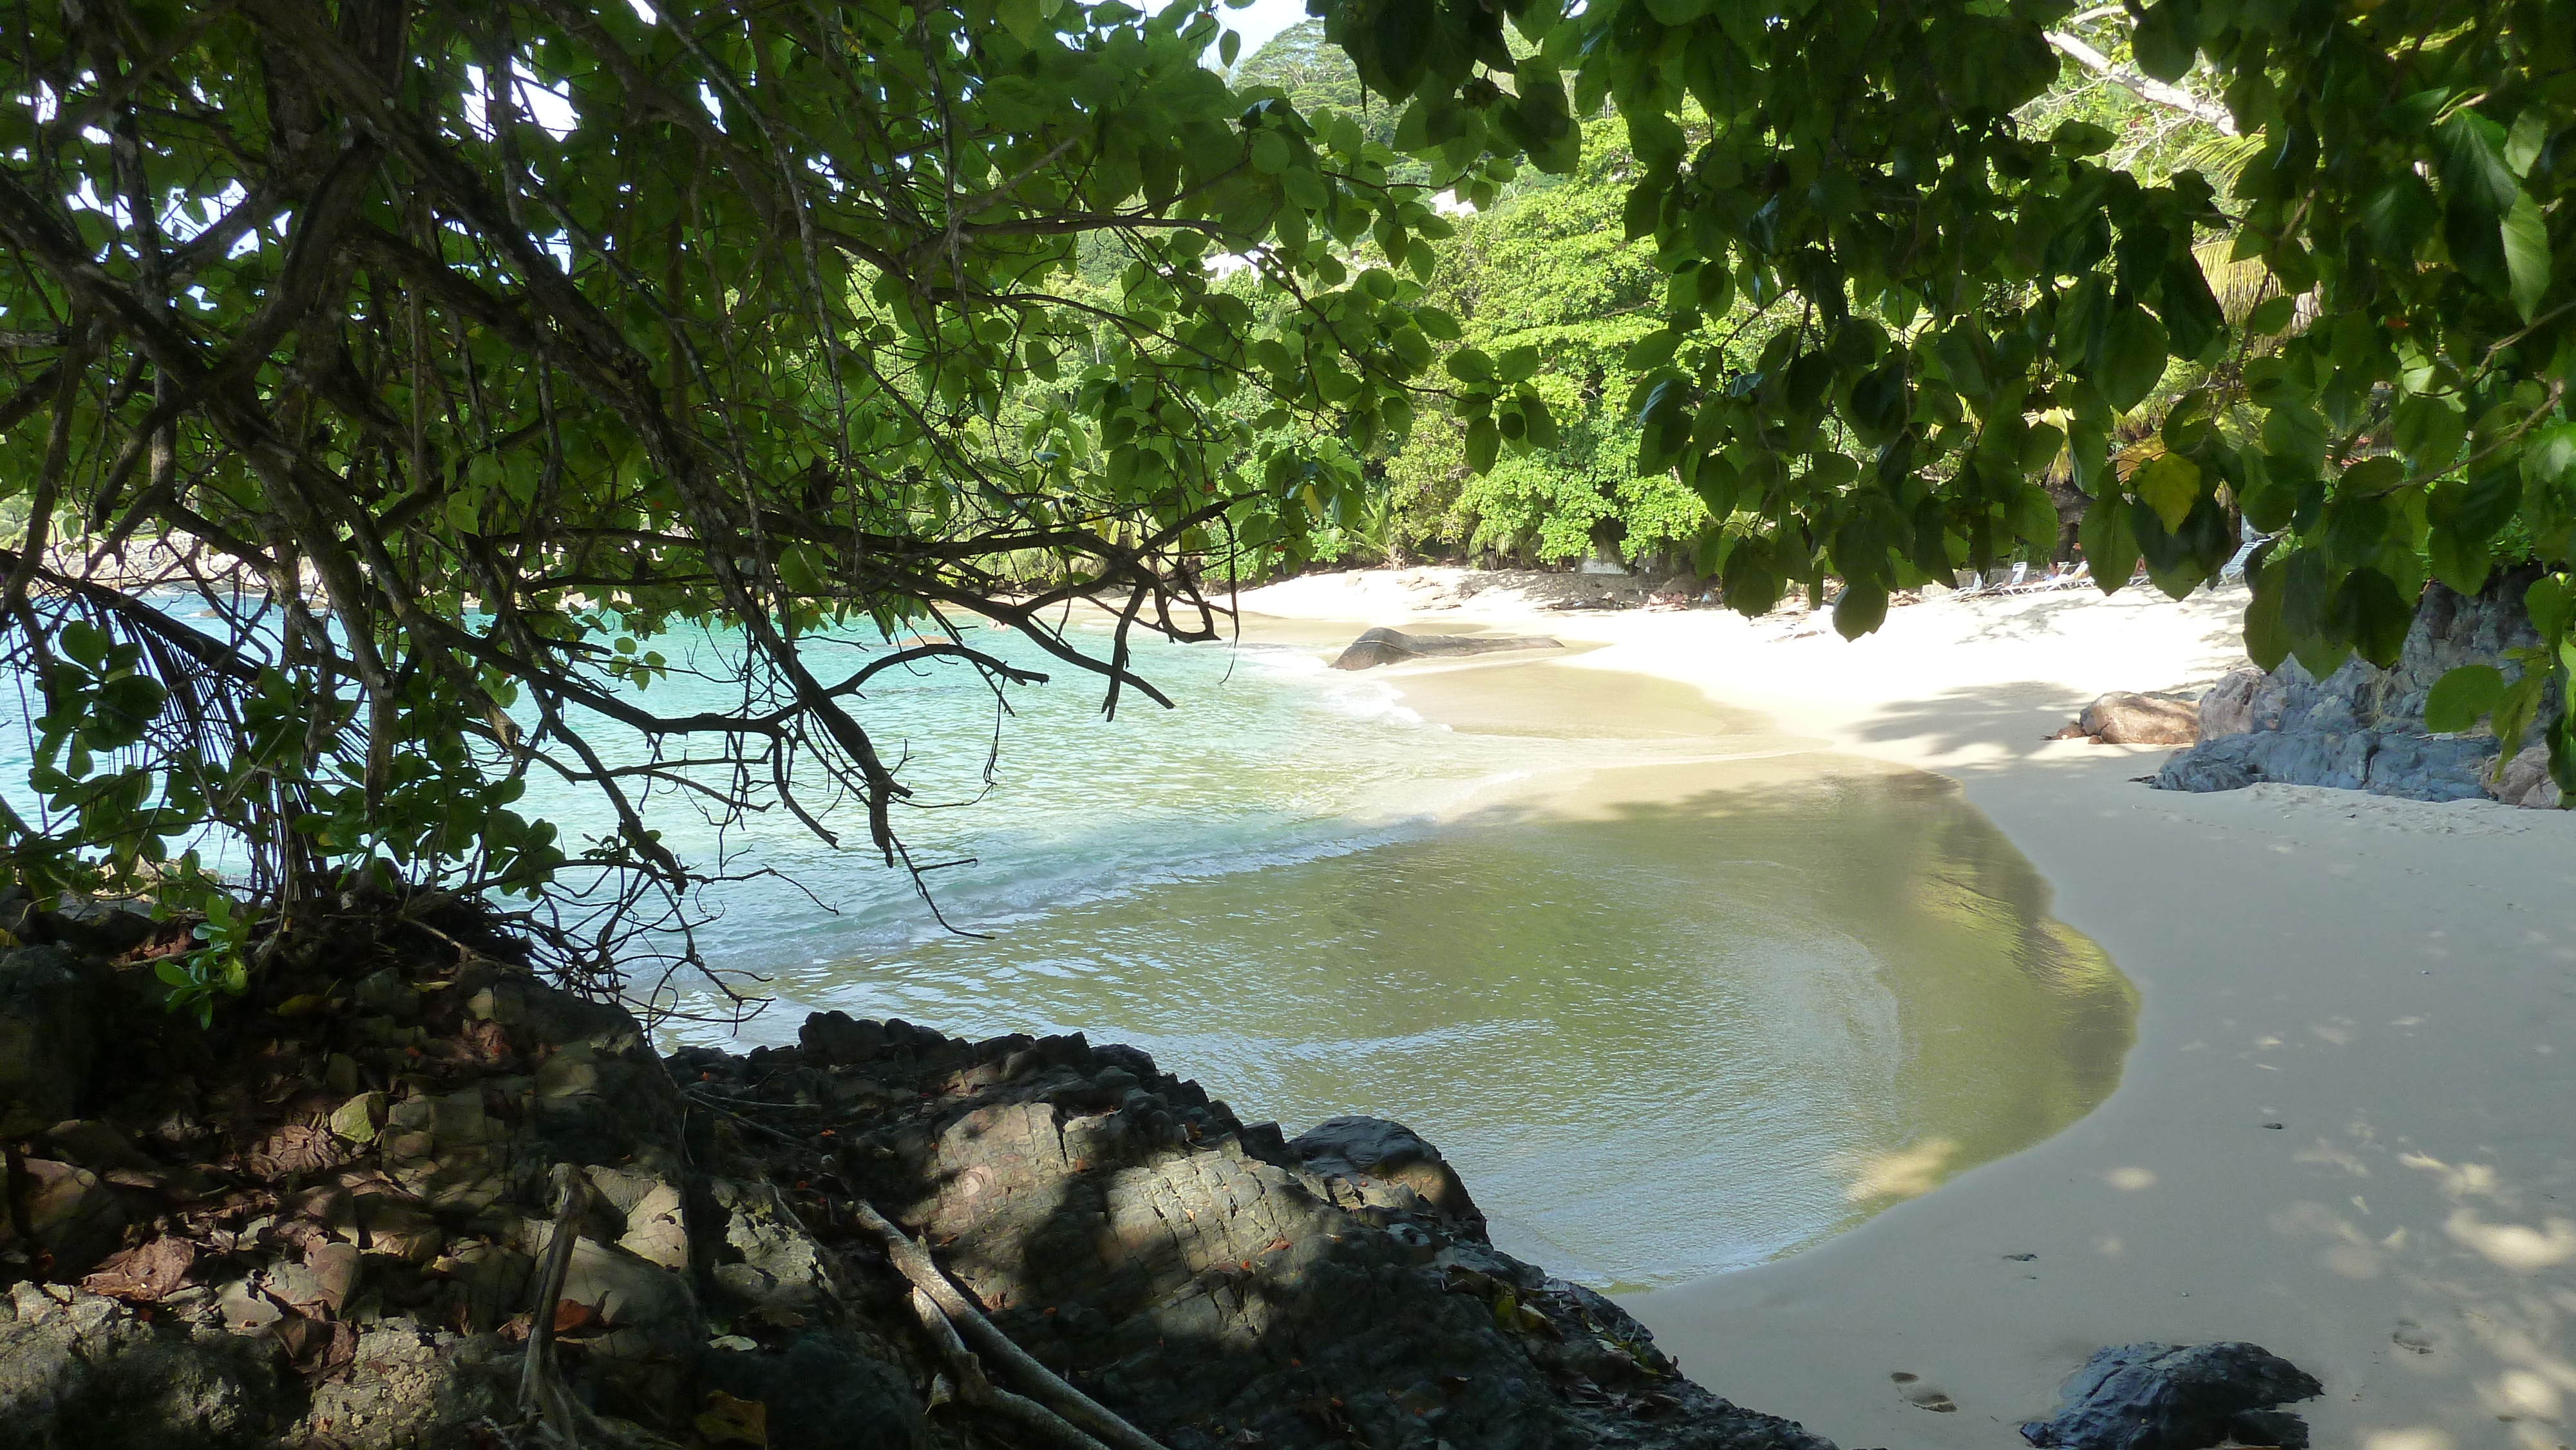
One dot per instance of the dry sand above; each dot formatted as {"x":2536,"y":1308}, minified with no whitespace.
{"x":2344,"y":1133}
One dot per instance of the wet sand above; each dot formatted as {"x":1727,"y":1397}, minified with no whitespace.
{"x":2392,"y":984}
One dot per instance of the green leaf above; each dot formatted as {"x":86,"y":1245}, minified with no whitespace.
{"x":1405,"y":31}
{"x":1484,"y":443}
{"x":2370,"y":612}
{"x":1021,"y":18}
{"x":1861,"y":609}
{"x":2463,"y":564}
{"x":2469,"y":156}
{"x":1655,"y":139}
{"x":2267,"y":643}
{"x":1542,"y":424}
{"x":2526,"y":254}
{"x":2081,"y":138}
{"x":2133,"y":357}
{"x":1271,"y":153}
{"x":1652,"y":351}
{"x":2193,"y":318}
{"x":2170,"y":484}
{"x":2528,"y":139}
{"x":2372,"y":477}
{"x":85,"y":642}
{"x":1710,"y":558}
{"x":2109,"y":541}
{"x":2513,"y":713}
{"x":2551,"y":603}
{"x":1881,"y":401}
{"x":2429,"y":431}
{"x":2167,"y":40}
{"x":2458,"y":698}
{"x":2272,"y":316}
{"x":2562,"y":756}
{"x":2400,"y":216}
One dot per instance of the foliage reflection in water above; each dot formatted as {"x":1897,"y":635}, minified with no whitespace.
{"x":1659,"y":1039}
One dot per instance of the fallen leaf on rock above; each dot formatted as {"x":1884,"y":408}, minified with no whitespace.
{"x":572,"y":1317}
{"x":317,"y":1347}
{"x":334,"y":1267}
{"x":732,"y":1421}
{"x":144,"y":1274}
{"x":291,"y":1151}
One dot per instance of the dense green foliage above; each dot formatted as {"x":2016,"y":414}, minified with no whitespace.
{"x":1314,"y":75}
{"x":1964,"y":301}
{"x":1549,"y":276}
{"x":443,"y":359}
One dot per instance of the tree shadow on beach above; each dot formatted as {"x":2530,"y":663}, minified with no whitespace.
{"x":2019,"y":719}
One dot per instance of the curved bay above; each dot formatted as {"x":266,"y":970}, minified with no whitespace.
{"x":1667,"y":1018}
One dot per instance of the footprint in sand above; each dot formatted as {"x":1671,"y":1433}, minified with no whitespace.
{"x":2411,"y":1335}
{"x":1922,"y":1396}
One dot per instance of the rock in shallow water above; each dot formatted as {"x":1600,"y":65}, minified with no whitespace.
{"x":1392,"y":646}
{"x":2168,"y":1397}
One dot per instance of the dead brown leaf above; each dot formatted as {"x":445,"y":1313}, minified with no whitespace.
{"x":731,"y":1421}
{"x":293,"y":1150}
{"x":144,"y":1274}
{"x":317,"y":1347}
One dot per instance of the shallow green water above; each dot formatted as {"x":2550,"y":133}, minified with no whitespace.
{"x":1681,"y":1037}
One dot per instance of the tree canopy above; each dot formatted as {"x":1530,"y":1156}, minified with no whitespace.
{"x":1957,"y":302}
{"x":381,"y":380}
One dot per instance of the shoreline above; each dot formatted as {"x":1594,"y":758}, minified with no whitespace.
{"x":2303,"y":957}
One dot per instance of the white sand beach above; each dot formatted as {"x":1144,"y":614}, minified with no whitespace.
{"x":2345,"y":1132}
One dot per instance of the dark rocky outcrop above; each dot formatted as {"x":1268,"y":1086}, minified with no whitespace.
{"x":1361,"y":1157}
{"x":2362,"y":727}
{"x":323,"y":1222}
{"x":2164,"y":1397}
{"x":1392,"y":646}
{"x":1217,"y":1284}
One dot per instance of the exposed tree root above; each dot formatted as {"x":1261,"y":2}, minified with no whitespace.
{"x":1092,"y":1426}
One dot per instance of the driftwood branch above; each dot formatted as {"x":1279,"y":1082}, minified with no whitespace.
{"x":931,"y":1289}
{"x":975,"y":1388}
{"x":2145,"y":87}
{"x":541,"y":1389}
